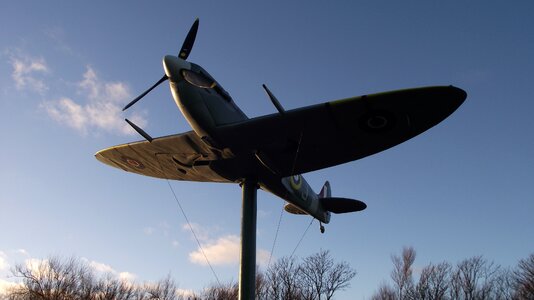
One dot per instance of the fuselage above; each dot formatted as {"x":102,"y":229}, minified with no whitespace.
{"x":207,"y":107}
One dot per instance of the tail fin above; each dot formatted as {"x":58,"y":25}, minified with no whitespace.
{"x":325,"y":192}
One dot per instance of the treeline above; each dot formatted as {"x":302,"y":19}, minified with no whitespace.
{"x":314,"y":277}
{"x":473,"y":278}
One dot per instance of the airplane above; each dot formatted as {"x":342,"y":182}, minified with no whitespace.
{"x":271,"y":151}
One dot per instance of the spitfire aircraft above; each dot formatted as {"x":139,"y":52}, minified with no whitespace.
{"x":271,"y":151}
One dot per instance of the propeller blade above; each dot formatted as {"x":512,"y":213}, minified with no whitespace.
{"x":146,"y":92}
{"x":139,"y":130}
{"x":274,"y":100}
{"x":189,"y":41}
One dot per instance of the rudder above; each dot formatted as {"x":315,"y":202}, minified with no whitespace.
{"x":326,"y":191}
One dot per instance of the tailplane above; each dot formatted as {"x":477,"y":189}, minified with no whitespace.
{"x":329,"y":204}
{"x":342,"y":205}
{"x":338,"y":205}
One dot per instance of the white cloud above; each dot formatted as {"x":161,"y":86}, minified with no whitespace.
{"x":5,"y":286}
{"x":225,"y":251}
{"x":148,"y":230}
{"x":27,"y":72}
{"x":102,"y":109}
{"x":262,"y":257}
{"x":68,"y":112}
{"x":222,"y":252}
{"x":201,"y":232}
{"x":263,"y":213}
{"x":101,"y":267}
{"x":185,"y":293}
{"x":175,"y":244}
{"x":22,"y":251}
{"x":36,"y":265}
{"x":3,"y":261}
{"x":57,"y":36}
{"x":105,"y":269}
{"x":127,"y":276}
{"x":96,"y":105}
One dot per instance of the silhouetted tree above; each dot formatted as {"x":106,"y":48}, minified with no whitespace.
{"x":321,"y":278}
{"x":221,"y":292}
{"x":163,"y":290}
{"x":385,"y":292}
{"x":316,"y":277}
{"x":471,"y":279}
{"x":54,"y":279}
{"x":261,"y":285}
{"x":402,"y":272}
{"x":110,"y":288}
{"x":283,"y":279}
{"x":523,"y":278}
{"x":474,"y":278}
{"x":433,"y":282}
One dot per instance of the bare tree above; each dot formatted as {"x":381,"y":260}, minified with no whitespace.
{"x":261,"y":285}
{"x":111,"y":288}
{"x":402,"y":273}
{"x":322,"y":278}
{"x":471,"y":279}
{"x":316,"y":277}
{"x":474,"y":278}
{"x":433,"y":282}
{"x":504,"y":286}
{"x":56,"y":279}
{"x":523,"y":278}
{"x":163,"y":290}
{"x":221,"y":292}
{"x":283,"y":277}
{"x":385,"y":292}
{"x":53,"y":279}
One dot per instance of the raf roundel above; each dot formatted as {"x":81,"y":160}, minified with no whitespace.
{"x":296,"y":182}
{"x":377,"y":121}
{"x":133,"y":162}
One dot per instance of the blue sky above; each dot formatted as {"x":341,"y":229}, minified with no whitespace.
{"x":462,"y":188}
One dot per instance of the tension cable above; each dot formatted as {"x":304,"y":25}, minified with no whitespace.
{"x":276,"y":235}
{"x":282,"y":210}
{"x":192,"y":231}
{"x":301,"y":238}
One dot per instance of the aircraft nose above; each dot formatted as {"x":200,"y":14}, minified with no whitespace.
{"x":173,"y":66}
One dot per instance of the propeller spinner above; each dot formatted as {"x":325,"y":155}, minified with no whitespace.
{"x":187,"y":46}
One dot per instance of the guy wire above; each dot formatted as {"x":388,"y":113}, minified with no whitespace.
{"x":276,"y":235}
{"x":301,"y":238}
{"x":192,"y":231}
{"x":282,"y":210}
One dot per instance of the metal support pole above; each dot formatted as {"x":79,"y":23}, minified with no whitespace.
{"x":247,"y":268}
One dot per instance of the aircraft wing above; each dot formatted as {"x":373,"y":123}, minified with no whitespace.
{"x":180,"y":157}
{"x":319,"y":136}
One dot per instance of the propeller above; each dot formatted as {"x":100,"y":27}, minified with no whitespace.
{"x":189,"y":41}
{"x":145,"y":92}
{"x":187,"y":46}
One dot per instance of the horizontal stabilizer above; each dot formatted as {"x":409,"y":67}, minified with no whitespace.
{"x":342,"y":205}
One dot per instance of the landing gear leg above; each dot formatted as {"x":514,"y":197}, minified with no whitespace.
{"x":321,"y":227}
